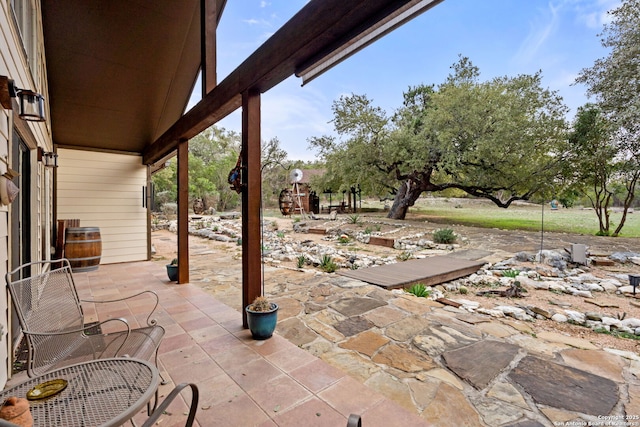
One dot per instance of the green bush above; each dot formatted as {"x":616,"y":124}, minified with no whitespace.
{"x":404,"y":256}
{"x":510,"y":273}
{"x":419,"y":290}
{"x":301,"y":261}
{"x":444,"y":235}
{"x":354,"y":219}
{"x":327,"y":264}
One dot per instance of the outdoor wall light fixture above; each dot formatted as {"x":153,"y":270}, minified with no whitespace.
{"x":30,"y":103}
{"x":48,"y":158}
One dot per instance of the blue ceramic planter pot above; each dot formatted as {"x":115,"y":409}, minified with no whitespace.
{"x":262,"y":323}
{"x":172,"y":272}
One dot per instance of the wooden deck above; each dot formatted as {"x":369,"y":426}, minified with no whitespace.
{"x":428,"y":271}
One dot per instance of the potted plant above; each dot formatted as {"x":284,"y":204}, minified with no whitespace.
{"x":172,"y":270}
{"x":262,"y":316}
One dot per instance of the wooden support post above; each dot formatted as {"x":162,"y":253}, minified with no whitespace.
{"x":183,"y":211}
{"x":251,"y":196}
{"x":208,"y":24}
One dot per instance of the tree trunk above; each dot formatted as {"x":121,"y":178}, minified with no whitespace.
{"x":406,"y":197}
{"x":628,"y":200}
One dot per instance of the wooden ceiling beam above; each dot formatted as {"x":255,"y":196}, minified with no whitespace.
{"x":321,"y":27}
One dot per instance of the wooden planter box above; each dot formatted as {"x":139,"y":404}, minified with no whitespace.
{"x":382,"y":241}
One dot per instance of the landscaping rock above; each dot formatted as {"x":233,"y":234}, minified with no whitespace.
{"x":560,"y":318}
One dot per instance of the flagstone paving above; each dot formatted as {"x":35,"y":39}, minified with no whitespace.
{"x":563,"y":387}
{"x":480,"y":363}
{"x":449,"y":367}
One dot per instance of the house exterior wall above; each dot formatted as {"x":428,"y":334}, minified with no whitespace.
{"x":5,"y":339}
{"x":105,"y":190}
{"x":22,"y":60}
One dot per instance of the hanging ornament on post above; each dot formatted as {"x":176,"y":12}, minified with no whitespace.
{"x":8,"y":190}
{"x":235,"y":176}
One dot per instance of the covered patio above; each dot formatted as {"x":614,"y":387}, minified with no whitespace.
{"x":156,"y":60}
{"x":242,"y":382}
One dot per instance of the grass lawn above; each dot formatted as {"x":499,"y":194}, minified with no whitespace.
{"x":519,"y":216}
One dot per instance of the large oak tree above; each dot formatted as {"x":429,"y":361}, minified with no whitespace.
{"x":502,"y":139}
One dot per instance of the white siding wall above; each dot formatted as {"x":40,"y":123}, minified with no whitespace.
{"x":15,"y":65}
{"x":105,"y":190}
{"x":5,"y":338}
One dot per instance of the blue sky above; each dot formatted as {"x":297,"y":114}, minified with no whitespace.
{"x":501,"y":37}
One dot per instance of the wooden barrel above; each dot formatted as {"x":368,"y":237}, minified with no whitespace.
{"x":83,"y":248}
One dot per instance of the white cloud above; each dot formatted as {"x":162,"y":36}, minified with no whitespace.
{"x":302,"y":111}
{"x":593,"y":13}
{"x":551,"y":20}
{"x":292,"y":114}
{"x":543,"y":26}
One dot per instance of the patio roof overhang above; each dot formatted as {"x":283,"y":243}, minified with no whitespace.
{"x":120,"y":72}
{"x":322,"y":31}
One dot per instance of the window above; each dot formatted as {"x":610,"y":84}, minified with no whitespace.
{"x":24,"y":13}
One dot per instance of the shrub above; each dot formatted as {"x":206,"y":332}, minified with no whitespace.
{"x":404,"y":256}
{"x":354,"y":219}
{"x":169,"y":208}
{"x":463,"y":290}
{"x":419,"y":290}
{"x":510,"y":273}
{"x":444,"y":235}
{"x":343,"y":239}
{"x":301,"y":261}
{"x":327,"y":264}
{"x":261,"y":304}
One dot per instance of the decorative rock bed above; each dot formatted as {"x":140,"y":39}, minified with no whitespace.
{"x":546,"y":270}
{"x":554,"y":273}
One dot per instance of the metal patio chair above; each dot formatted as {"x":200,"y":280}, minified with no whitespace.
{"x":52,"y":320}
{"x":161,"y":409}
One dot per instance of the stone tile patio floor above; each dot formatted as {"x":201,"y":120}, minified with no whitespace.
{"x":242,"y":382}
{"x":343,"y":346}
{"x":448,"y":366}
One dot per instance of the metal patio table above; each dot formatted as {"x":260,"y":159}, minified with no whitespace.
{"x":104,"y":392}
